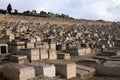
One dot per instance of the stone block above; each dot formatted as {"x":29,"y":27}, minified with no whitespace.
{"x":84,"y":51}
{"x":108,"y":70}
{"x":52,"y":54}
{"x":88,"y":69}
{"x":18,"y":72}
{"x":103,"y":58}
{"x":43,"y":53}
{"x":91,"y":60}
{"x":41,"y":45}
{"x":61,"y":47}
{"x":32,"y":54}
{"x":82,"y":74}
{"x":21,"y":59}
{"x":65,"y":56}
{"x":52,"y":46}
{"x":14,"y":47}
{"x":9,"y":37}
{"x":65,"y":69}
{"x":29,"y":45}
{"x":44,"y":69}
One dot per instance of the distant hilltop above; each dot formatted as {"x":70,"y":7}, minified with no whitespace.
{"x":46,"y":17}
{"x":35,"y":14}
{"x":44,"y":14}
{"x":13,"y":17}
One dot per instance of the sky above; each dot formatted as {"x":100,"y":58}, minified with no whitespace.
{"x":108,"y":10}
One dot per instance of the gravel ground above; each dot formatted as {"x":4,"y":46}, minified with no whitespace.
{"x":99,"y":78}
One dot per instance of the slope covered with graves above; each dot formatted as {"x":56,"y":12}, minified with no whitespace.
{"x":50,"y":46}
{"x":61,"y":30}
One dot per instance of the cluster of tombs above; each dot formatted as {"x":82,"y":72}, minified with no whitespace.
{"x":106,"y":63}
{"x":47,"y":71}
{"x":106,"y":66}
{"x":33,"y":51}
{"x":28,"y":43}
{"x":95,"y":36}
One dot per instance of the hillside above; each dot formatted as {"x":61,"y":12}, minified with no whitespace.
{"x":51,"y":20}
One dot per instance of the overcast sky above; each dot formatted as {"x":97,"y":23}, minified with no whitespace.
{"x":86,"y":9}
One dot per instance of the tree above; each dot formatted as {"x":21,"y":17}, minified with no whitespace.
{"x":26,"y":12}
{"x":15,"y":11}
{"x":3,"y":11}
{"x":43,"y":14}
{"x":34,"y":11}
{"x":9,"y":8}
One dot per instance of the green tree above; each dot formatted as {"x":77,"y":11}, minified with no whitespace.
{"x":9,"y":8}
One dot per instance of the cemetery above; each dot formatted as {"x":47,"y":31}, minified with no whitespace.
{"x":33,"y":48}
